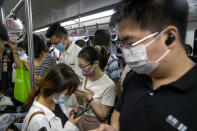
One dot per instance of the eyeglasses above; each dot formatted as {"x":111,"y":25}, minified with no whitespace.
{"x":145,"y":38}
{"x":156,"y":35}
{"x":82,"y":67}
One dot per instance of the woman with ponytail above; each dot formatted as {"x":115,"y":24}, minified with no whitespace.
{"x":55,"y":88}
{"x":98,"y":88}
{"x":102,"y":40}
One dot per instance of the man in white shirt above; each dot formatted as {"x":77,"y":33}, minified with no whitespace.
{"x":68,"y":50}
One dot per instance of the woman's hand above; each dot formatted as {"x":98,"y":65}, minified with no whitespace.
{"x":86,"y":93}
{"x":74,"y":121}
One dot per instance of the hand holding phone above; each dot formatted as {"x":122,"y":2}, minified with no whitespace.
{"x":81,"y":111}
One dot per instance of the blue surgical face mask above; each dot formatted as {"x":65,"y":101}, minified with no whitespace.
{"x":60,"y":46}
{"x":8,"y":51}
{"x":20,"y":53}
{"x":62,"y":99}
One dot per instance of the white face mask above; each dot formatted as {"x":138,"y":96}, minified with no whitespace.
{"x":136,"y":56}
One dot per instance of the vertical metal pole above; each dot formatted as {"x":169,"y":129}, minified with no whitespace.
{"x":79,"y":13}
{"x":28,"y":13}
{"x":2,"y":15}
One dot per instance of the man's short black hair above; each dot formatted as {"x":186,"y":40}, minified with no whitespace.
{"x":3,"y":33}
{"x":57,"y":30}
{"x":154,"y":15}
{"x":81,"y":43}
{"x":101,"y":38}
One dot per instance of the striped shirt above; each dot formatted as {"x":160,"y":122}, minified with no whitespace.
{"x":47,"y":63}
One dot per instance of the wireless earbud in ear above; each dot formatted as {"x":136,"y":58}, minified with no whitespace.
{"x":170,"y":39}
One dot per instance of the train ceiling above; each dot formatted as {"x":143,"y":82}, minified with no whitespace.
{"x":46,"y":12}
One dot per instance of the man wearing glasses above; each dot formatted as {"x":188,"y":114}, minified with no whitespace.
{"x":160,"y":93}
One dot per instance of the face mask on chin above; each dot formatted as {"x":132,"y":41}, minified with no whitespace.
{"x":136,"y":56}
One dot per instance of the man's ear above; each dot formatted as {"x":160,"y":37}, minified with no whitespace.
{"x":172,"y":36}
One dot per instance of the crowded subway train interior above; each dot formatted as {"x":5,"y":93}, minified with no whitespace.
{"x":66,"y":59}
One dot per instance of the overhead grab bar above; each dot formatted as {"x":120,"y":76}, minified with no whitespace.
{"x":14,"y":11}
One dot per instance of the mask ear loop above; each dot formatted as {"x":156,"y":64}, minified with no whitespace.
{"x":159,"y":59}
{"x":165,"y":54}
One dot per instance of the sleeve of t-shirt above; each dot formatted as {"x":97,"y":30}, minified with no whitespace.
{"x":109,"y":95}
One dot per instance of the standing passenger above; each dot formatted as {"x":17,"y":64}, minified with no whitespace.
{"x":102,"y":39}
{"x":160,"y":95}
{"x":100,"y":93}
{"x":56,"y":87}
{"x":68,"y":50}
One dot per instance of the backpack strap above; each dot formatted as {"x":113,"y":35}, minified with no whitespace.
{"x":34,"y":114}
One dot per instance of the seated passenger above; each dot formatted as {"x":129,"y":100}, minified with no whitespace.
{"x":99,"y":90}
{"x":56,"y":87}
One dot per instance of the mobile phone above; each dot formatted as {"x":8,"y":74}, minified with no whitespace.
{"x":81,"y":111}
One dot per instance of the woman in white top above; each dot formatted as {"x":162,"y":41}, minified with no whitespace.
{"x":56,"y":87}
{"x":99,"y":88}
